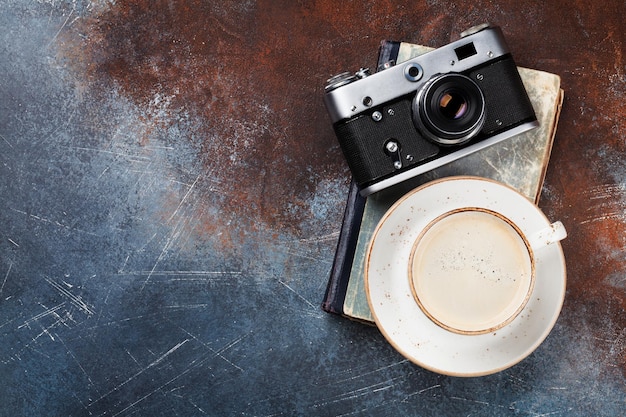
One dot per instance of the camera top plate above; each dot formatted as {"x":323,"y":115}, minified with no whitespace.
{"x":353,"y":98}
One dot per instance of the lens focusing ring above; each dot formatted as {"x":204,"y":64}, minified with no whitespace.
{"x":449,"y":109}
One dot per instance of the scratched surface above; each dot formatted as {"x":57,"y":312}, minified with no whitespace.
{"x":171,"y":194}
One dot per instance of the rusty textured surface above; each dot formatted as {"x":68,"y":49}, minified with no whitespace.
{"x":172,"y":192}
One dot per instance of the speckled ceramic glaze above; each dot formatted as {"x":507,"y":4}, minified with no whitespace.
{"x":391,"y":291}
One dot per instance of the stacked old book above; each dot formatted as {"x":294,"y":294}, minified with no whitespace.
{"x":520,"y":162}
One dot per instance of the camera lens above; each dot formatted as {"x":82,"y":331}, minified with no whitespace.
{"x":452,"y":105}
{"x":449,"y":109}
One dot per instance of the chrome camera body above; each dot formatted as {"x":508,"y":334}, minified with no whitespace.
{"x":428,"y":111}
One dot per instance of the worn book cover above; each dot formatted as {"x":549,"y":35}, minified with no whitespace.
{"x":520,"y":162}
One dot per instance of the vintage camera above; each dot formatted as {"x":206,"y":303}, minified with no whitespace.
{"x":430,"y":110}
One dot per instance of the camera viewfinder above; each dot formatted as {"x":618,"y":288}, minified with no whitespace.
{"x":465,"y":51}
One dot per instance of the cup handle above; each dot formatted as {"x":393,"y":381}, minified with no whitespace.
{"x":545,"y":237}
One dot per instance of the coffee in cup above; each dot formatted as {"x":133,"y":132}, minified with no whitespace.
{"x":472,"y":270}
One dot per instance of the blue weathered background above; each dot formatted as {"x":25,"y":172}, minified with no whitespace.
{"x":171,"y":193}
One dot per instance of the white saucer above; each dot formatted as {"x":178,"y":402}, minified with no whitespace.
{"x":404,"y":324}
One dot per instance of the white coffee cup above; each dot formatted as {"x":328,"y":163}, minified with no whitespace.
{"x":466,"y":346}
{"x":472,"y":270}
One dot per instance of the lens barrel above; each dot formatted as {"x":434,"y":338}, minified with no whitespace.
{"x":449,"y":109}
